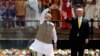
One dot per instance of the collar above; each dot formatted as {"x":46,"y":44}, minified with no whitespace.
{"x":80,"y":18}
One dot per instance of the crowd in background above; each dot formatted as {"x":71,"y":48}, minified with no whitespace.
{"x":7,"y":13}
{"x":12,"y":13}
{"x":15,"y":13}
{"x":87,"y":52}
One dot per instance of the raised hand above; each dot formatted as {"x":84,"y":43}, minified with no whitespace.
{"x":54,"y":6}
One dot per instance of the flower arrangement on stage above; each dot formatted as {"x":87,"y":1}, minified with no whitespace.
{"x":58,"y":52}
{"x":87,"y":52}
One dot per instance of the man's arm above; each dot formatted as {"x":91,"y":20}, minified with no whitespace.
{"x":69,"y":20}
{"x":65,"y":17}
{"x":54,"y":37}
{"x":54,"y":6}
{"x":42,"y":16}
{"x":88,"y":31}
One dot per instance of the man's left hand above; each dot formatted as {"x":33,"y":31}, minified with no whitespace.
{"x":86,"y":41}
{"x":54,"y":6}
{"x":55,"y":46}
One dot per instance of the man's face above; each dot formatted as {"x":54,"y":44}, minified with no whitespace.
{"x":48,"y":16}
{"x":79,"y":13}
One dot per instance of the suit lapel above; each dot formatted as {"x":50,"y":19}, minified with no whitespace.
{"x":77,"y":22}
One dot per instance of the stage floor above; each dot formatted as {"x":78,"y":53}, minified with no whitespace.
{"x":61,"y":44}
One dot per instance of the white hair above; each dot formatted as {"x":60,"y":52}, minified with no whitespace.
{"x":48,"y":16}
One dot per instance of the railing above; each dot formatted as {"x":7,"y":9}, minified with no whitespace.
{"x":92,"y":30}
{"x":37,"y":25}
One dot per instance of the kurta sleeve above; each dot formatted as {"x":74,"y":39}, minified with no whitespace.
{"x":54,"y":35}
{"x":42,"y":16}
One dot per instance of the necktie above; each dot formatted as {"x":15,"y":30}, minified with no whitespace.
{"x":79,"y":23}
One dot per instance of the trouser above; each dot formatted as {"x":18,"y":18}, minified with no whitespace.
{"x":79,"y":51}
{"x":77,"y":48}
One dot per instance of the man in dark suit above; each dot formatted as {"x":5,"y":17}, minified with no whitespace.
{"x":79,"y":33}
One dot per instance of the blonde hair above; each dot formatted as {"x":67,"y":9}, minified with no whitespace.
{"x":80,"y":9}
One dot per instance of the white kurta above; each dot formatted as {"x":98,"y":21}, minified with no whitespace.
{"x":90,"y":13}
{"x":40,"y":46}
{"x":43,"y":48}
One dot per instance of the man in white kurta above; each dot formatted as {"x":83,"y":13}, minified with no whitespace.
{"x":45,"y":35}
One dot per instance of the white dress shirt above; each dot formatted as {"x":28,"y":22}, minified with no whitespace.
{"x":80,"y":19}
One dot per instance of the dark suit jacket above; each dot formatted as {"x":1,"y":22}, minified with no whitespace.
{"x":83,"y":31}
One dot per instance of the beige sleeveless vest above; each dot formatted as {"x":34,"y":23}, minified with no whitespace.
{"x":44,"y":33}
